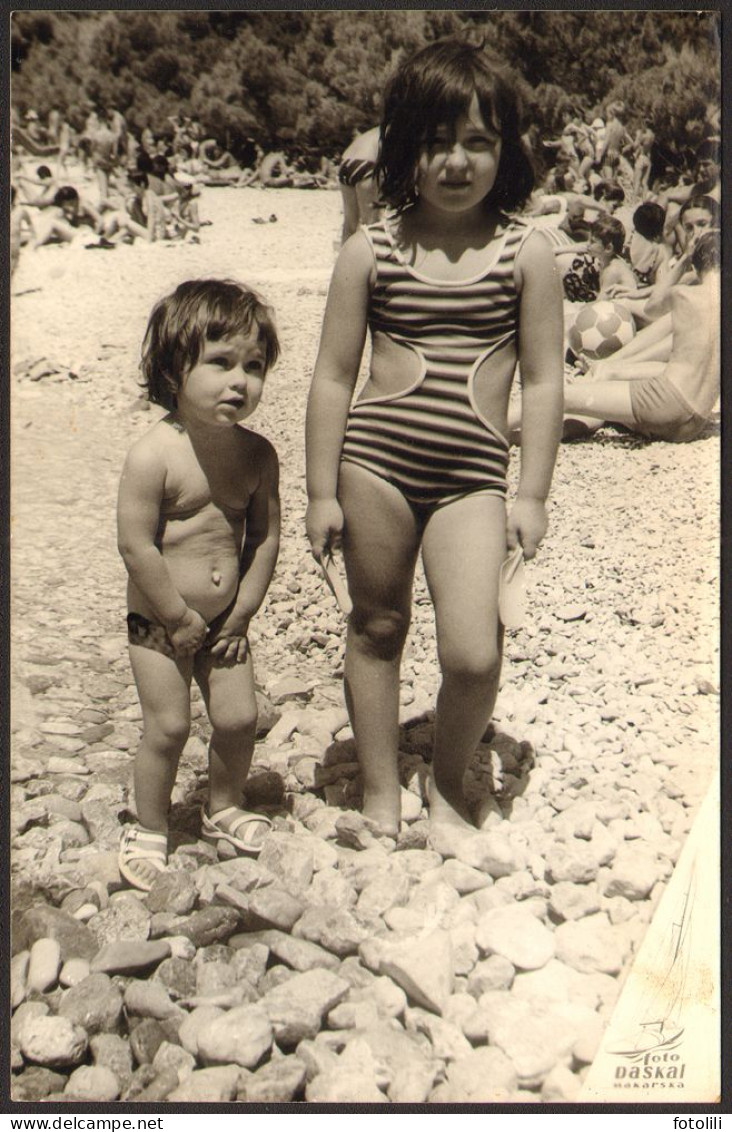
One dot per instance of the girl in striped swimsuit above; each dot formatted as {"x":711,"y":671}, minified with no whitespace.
{"x":454,"y":293}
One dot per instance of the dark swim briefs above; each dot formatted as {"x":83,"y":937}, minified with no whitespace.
{"x":141,"y":631}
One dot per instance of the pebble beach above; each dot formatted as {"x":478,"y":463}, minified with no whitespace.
{"x":336,"y":967}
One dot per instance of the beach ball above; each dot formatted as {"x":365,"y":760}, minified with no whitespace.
{"x":600,"y":329}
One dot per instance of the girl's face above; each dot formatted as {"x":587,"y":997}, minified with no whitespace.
{"x":694,"y":223}
{"x":458,"y":168}
{"x":225,"y":385}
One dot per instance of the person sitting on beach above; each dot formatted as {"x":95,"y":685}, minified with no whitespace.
{"x":595,"y":265}
{"x":668,"y":400}
{"x":143,"y":216}
{"x":649,"y":260}
{"x":63,"y":221}
{"x":198,"y":530}
{"x":219,"y":166}
{"x":359,"y":192}
{"x":275,"y":172}
{"x":184,"y":218}
{"x":44,"y":181}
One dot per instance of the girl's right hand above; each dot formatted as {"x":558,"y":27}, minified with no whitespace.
{"x":189,"y":634}
{"x":324,"y":524}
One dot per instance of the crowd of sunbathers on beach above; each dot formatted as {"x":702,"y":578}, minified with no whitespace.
{"x":106,"y":184}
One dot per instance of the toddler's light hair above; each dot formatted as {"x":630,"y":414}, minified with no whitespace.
{"x":197,"y":310}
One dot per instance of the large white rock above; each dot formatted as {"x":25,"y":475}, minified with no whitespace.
{"x":93,"y":1083}
{"x":239,"y":1037}
{"x":517,"y":936}
{"x":481,"y":1076}
{"x":591,"y":944}
{"x":633,"y":874}
{"x":297,"y":1007}
{"x":219,"y":1084}
{"x":54,"y":1042}
{"x":424,"y":968}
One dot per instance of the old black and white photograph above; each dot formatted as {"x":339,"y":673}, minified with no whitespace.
{"x":374,"y":759}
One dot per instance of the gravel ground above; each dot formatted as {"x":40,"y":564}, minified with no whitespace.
{"x":336,"y":967}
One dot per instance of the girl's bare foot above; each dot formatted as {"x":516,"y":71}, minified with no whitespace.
{"x":450,"y":821}
{"x":383,"y":807}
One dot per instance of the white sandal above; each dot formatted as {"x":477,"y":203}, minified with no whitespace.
{"x":138,"y":844}
{"x":212,"y":830}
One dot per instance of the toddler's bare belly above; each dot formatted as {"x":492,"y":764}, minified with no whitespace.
{"x":204,"y":571}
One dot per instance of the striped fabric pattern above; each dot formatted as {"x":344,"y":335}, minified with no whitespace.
{"x":430,"y":440}
{"x":354,"y":170}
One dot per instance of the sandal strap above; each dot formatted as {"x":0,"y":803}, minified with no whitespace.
{"x":132,"y":845}
{"x":238,"y":817}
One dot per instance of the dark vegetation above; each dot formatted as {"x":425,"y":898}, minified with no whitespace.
{"x":311,"y":78}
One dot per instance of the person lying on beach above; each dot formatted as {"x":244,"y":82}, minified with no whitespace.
{"x":671,"y":400}
{"x":198,"y":530}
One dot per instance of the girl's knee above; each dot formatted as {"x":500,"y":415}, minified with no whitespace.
{"x":235,"y":721}
{"x":381,"y":632}
{"x":168,"y":731}
{"x":471,"y":666}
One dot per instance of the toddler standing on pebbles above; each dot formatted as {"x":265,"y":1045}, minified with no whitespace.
{"x":454,"y":292}
{"x":198,"y":529}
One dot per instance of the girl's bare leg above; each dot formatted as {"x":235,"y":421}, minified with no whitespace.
{"x":463,"y":547}
{"x":381,"y":542}
{"x":163,"y":686}
{"x":228,"y":692}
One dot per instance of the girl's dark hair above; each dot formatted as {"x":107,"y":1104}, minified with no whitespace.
{"x":179,"y":324}
{"x":609,"y":230}
{"x":707,"y":252}
{"x":434,"y":88}
{"x":649,"y":219}
{"x":138,"y":177}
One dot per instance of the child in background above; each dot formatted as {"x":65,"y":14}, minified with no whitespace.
{"x":649,"y":259}
{"x":606,"y":243}
{"x":198,"y":523}
{"x":453,"y":293}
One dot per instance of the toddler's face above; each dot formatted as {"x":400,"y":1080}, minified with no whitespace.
{"x":225,"y":385}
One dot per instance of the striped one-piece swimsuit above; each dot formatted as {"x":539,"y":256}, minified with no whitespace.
{"x":430,"y":440}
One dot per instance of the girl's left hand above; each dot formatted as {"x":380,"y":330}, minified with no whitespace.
{"x":526,"y":526}
{"x":231,"y":648}
{"x":229,"y":638}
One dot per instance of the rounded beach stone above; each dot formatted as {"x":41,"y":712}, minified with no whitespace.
{"x":94,"y":1003}
{"x":93,"y":1083}
{"x":54,"y":1042}
{"x":241,"y":1036}
{"x":73,"y":971}
{"x":44,"y":965}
